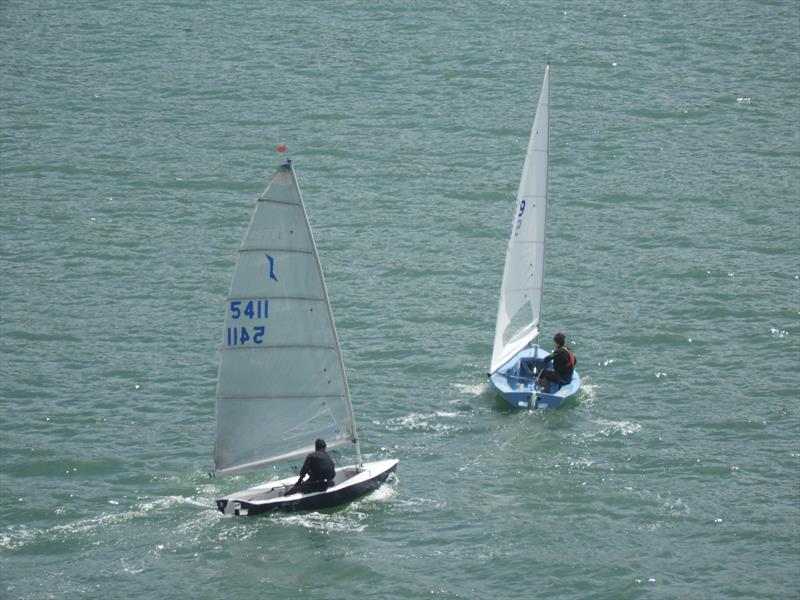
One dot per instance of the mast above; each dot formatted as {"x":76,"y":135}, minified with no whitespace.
{"x":546,"y":198}
{"x":290,"y":166}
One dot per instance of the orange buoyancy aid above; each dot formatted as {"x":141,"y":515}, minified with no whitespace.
{"x":572,"y":359}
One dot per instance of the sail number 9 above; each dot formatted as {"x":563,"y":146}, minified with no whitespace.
{"x":247,"y":310}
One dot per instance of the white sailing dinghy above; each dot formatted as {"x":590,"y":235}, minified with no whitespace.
{"x":516,"y":359}
{"x":282,"y":381}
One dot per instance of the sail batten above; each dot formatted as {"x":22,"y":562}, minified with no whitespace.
{"x":274,"y":249}
{"x":290,"y":386}
{"x":316,"y":299}
{"x":281,"y":347}
{"x":519,"y":309}
{"x":275,"y":201}
{"x":283,"y":396}
{"x":289,"y":456}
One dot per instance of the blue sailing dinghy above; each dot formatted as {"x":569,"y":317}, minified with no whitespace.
{"x":516,"y":359}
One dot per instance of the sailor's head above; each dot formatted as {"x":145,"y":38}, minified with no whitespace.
{"x":559,"y":339}
{"x":319,"y":444}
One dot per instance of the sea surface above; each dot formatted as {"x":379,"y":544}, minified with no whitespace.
{"x":134,"y":139}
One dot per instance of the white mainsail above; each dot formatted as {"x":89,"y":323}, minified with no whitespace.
{"x":521,"y":291}
{"x":282,"y":382}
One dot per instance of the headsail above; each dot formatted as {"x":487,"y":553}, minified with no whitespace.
{"x":521,"y":292}
{"x":281,"y":380}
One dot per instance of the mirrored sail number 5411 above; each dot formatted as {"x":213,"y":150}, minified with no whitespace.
{"x":243,"y":312}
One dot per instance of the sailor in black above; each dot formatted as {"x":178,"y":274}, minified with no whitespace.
{"x":563,"y":365}
{"x":320,"y":470}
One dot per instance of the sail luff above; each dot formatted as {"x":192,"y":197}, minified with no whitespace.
{"x":348,"y":401}
{"x":519,"y":307}
{"x":546,"y":94}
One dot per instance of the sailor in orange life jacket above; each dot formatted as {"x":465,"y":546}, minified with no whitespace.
{"x":563,"y":365}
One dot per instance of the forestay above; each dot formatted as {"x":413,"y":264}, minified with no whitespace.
{"x":281,"y":378}
{"x":521,"y":291}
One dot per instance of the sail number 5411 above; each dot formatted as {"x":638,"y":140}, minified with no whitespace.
{"x":252,"y":309}
{"x":244,"y":311}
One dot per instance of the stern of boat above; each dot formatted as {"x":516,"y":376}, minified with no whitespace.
{"x":522,"y":391}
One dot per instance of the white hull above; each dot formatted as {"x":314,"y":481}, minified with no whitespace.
{"x":350,"y":483}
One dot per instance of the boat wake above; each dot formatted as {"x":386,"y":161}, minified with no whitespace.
{"x":350,"y":520}
{"x":472,"y":389}
{"x":588,"y":393}
{"x":16,"y":538}
{"x":612,"y":428}
{"x":424,"y":422}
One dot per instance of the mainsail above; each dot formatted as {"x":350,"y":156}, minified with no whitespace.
{"x":281,"y":379}
{"x":521,"y":291}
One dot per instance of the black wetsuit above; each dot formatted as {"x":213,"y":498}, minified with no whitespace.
{"x":562,"y":369}
{"x":320,"y":470}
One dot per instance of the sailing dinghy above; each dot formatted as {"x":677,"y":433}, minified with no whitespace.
{"x":516,"y":358}
{"x":282,"y":382}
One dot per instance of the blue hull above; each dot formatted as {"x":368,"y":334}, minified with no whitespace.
{"x":521,"y":390}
